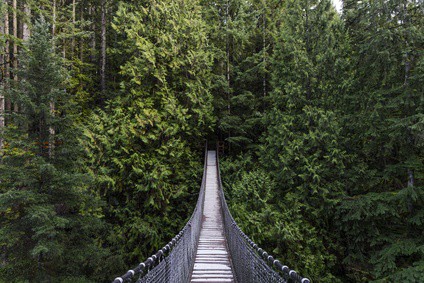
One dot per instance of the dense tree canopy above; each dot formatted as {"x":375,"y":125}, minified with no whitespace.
{"x":139,"y":144}
{"x":105,"y":106}
{"x":45,"y":206}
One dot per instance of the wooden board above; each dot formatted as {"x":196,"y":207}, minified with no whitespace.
{"x":212,"y":263}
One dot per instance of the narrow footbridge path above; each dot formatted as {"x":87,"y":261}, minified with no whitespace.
{"x":211,"y":247}
{"x":212,"y":262}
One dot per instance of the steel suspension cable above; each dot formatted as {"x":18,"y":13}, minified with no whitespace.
{"x":174,"y":262}
{"x":250,"y":262}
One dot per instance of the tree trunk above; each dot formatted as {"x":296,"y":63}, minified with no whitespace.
{"x":64,"y":49}
{"x":92,"y":14}
{"x":407,"y":62}
{"x":51,"y":129}
{"x":81,"y":46}
{"x":7,"y":55}
{"x":15,"y":48}
{"x":2,"y":102}
{"x":103,"y":49}
{"x":54,"y":19}
{"x":15,"y":35}
{"x":52,"y":132}
{"x":4,"y":59}
{"x":73,"y":27}
{"x":26,"y":33}
{"x":2,"y":111}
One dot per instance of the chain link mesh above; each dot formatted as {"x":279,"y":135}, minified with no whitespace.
{"x":174,"y":262}
{"x":251,"y":263}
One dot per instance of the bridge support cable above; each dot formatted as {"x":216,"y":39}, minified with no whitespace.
{"x":174,"y":262}
{"x":250,"y":262}
{"x":213,"y":261}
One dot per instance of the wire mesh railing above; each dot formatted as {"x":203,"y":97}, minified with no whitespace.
{"x":250,"y":262}
{"x":174,"y":262}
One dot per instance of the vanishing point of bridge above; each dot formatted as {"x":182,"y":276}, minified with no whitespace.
{"x":212,"y":262}
{"x":211,"y":247}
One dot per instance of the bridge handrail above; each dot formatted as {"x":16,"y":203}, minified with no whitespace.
{"x":190,"y":233}
{"x":257,"y":265}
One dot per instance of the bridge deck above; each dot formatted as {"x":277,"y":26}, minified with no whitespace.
{"x":212,"y":263}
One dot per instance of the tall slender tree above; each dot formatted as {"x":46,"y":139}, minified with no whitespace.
{"x":302,"y":148}
{"x":26,"y":23}
{"x":42,"y":230}
{"x":388,"y":57}
{"x":8,"y":105}
{"x":141,"y":147}
{"x":103,"y":8}
{"x":2,"y":75}
{"x":240,"y":37}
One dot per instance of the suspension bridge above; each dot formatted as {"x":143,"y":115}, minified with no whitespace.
{"x":211,"y":247}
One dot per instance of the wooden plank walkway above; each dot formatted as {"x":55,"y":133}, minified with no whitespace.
{"x":212,"y":263}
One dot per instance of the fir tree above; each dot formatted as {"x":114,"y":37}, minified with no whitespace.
{"x":387,"y":203}
{"x":46,"y":227}
{"x":302,"y":148}
{"x":141,"y":148}
{"x":241,"y":34}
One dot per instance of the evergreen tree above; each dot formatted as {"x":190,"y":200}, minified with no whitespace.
{"x":241,"y":34}
{"x":302,"y":147}
{"x":387,"y":142}
{"x":2,"y":80}
{"x":144,"y":148}
{"x":322,"y":118}
{"x":46,"y":215}
{"x":251,"y":31}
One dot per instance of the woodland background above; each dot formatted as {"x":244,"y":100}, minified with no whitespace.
{"x":105,"y":106}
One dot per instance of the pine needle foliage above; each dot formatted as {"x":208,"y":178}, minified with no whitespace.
{"x":320,"y":113}
{"x":144,"y":149}
{"x":382,"y":216}
{"x":46,"y":228}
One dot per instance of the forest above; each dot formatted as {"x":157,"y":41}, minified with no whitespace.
{"x":105,"y":107}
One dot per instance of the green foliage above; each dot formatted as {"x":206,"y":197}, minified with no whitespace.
{"x":385,"y":142}
{"x":135,"y":156}
{"x":342,"y":145}
{"x":393,"y":219}
{"x":44,"y":234}
{"x":321,"y":115}
{"x":250,"y":198}
{"x":143,"y":150}
{"x":276,"y":222}
{"x":301,"y":147}
{"x":241,"y":35}
{"x":82,"y":83}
